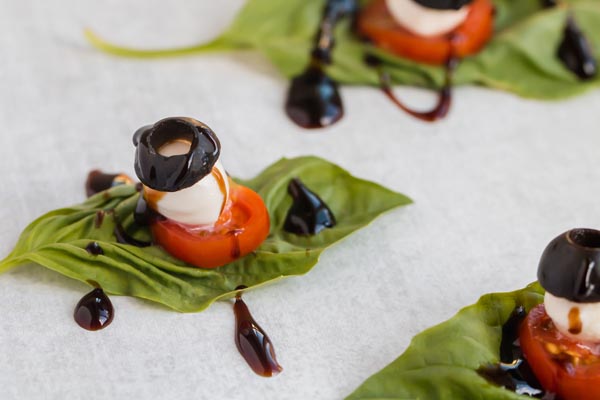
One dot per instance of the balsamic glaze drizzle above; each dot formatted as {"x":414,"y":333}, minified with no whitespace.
{"x":513,"y":372}
{"x":235,"y":242}
{"x":124,"y":238}
{"x":252,"y":341}
{"x":313,"y":99}
{"x":98,"y":181}
{"x":575,"y":50}
{"x":94,"y":311}
{"x":99,"y":219}
{"x":94,"y":249}
{"x":144,"y":214}
{"x":120,"y":233}
{"x":309,"y":214}
{"x":444,"y":97}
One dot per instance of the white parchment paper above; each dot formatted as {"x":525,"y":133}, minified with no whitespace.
{"x":492,"y":185}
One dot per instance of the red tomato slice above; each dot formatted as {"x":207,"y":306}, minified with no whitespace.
{"x":563,"y":366}
{"x":247,"y":227}
{"x":376,"y":23}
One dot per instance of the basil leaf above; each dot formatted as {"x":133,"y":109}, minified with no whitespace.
{"x":58,"y":239}
{"x":521,"y":58}
{"x":441,"y":362}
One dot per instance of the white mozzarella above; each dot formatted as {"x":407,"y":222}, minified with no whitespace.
{"x":424,"y":21}
{"x":559,"y":308}
{"x":199,"y":204}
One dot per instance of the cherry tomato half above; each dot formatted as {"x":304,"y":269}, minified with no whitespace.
{"x":376,"y":23}
{"x":241,"y":233}
{"x":562,"y":365}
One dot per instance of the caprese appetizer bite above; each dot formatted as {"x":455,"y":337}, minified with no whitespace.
{"x":429,"y":31}
{"x":404,"y":41}
{"x":560,"y":338}
{"x":439,"y":32}
{"x":542,"y":341}
{"x":195,"y":211}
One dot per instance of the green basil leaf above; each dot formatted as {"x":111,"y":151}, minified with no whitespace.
{"x":58,"y":239}
{"x":521,"y":58}
{"x":441,"y":362}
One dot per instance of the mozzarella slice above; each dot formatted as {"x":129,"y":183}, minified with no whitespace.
{"x":199,"y":204}
{"x":424,"y":21}
{"x":587,"y":314}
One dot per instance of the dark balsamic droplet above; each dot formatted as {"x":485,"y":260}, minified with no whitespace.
{"x":144,"y":214}
{"x":94,"y":249}
{"x":124,"y":238}
{"x":576,"y":53}
{"x":373,"y":61}
{"x":575,"y":323}
{"x":549,"y":3}
{"x":235,"y":242}
{"x":253,"y":343}
{"x":335,"y":9}
{"x":309,"y":214}
{"x":510,"y":334}
{"x":513,"y":372}
{"x":98,"y":181}
{"x":142,"y":211}
{"x":94,"y":311}
{"x":119,"y":231}
{"x":99,"y":219}
{"x":313,"y":99}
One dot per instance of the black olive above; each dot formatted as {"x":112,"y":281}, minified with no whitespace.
{"x":570,"y":266}
{"x":169,"y":174}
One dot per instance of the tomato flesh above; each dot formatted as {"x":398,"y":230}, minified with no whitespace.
{"x":245,"y":228}
{"x":563,"y":366}
{"x":376,"y":23}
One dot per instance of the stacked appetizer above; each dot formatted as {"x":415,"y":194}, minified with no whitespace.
{"x":534,"y":48}
{"x":429,"y":31}
{"x":561,"y":337}
{"x":542,"y":341}
{"x":196,"y":212}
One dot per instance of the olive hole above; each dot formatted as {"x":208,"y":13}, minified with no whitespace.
{"x":169,"y":131}
{"x":585,"y":237}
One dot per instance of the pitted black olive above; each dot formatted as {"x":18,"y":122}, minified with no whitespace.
{"x":444,"y":4}
{"x":570,"y":266}
{"x":169,"y":174}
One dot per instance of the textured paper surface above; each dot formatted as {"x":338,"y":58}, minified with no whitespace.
{"x":492,"y":184}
